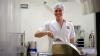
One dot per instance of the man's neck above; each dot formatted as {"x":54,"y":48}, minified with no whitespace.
{"x":60,"y":22}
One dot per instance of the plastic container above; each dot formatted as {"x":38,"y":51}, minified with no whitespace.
{"x":32,"y":49}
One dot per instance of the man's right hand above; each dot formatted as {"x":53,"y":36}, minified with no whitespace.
{"x":41,"y":34}
{"x":50,"y":34}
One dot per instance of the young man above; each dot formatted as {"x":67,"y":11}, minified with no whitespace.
{"x":59,"y":27}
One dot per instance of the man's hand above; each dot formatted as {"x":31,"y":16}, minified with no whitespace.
{"x":72,"y":40}
{"x":50,"y":34}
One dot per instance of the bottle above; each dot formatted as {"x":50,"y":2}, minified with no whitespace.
{"x":32,"y":49}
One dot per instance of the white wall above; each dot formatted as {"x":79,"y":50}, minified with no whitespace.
{"x":33,"y":17}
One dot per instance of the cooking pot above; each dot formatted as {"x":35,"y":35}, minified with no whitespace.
{"x":61,"y":49}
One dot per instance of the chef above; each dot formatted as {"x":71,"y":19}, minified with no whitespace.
{"x":59,"y":27}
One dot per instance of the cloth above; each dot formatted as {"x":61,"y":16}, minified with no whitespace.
{"x":64,"y":33}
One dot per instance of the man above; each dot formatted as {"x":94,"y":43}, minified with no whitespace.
{"x":59,"y":27}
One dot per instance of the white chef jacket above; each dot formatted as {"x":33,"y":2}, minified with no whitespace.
{"x":64,"y":33}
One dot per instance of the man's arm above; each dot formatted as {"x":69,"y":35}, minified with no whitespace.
{"x":41,"y":34}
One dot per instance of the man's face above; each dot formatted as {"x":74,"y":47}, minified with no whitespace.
{"x":58,"y":13}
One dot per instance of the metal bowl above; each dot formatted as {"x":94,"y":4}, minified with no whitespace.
{"x":68,"y":49}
